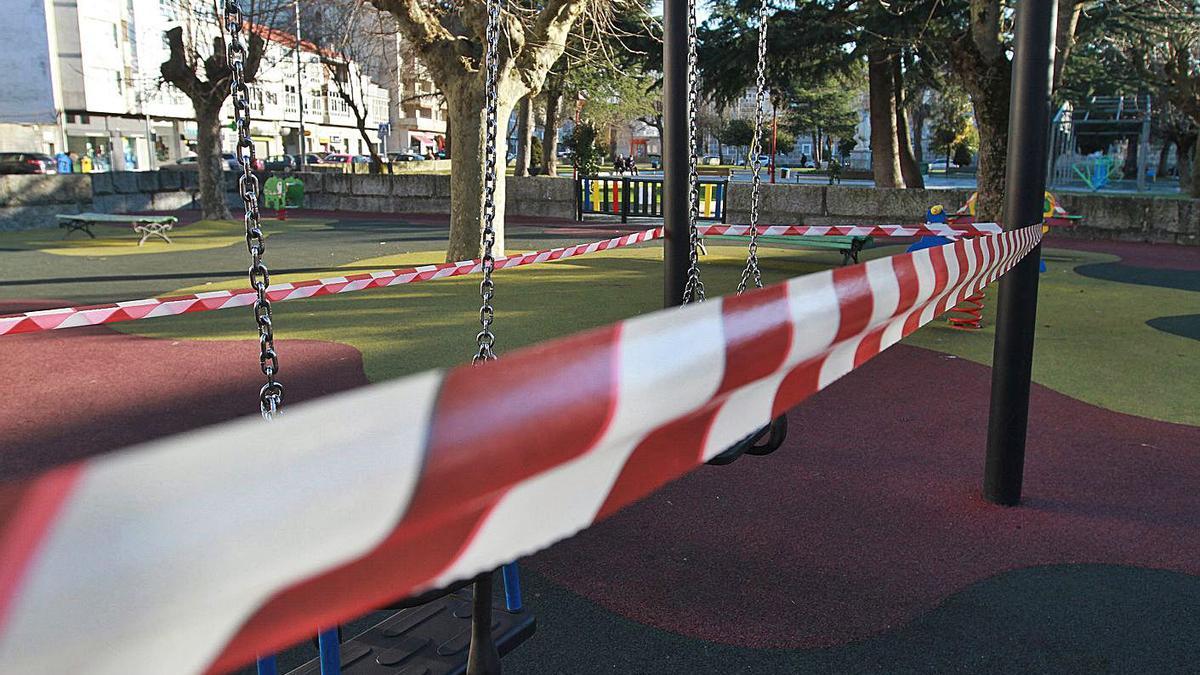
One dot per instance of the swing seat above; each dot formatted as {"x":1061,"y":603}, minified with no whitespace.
{"x":430,"y":639}
{"x":849,"y":247}
{"x":760,"y":443}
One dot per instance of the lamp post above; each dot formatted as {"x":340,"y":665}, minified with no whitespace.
{"x":579,"y":101}
{"x":299,"y":89}
{"x":676,"y":151}
{"x":774,"y":140}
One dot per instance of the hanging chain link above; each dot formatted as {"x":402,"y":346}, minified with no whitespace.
{"x":486,"y":340}
{"x":694,"y":290}
{"x":751,"y":273}
{"x":270,"y":397}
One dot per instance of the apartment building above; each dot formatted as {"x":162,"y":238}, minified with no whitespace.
{"x":417,"y":109}
{"x":85,"y":79}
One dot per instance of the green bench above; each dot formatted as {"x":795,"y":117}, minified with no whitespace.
{"x":848,"y":246}
{"x":147,"y":226}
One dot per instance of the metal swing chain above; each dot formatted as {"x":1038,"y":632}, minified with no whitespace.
{"x":485,"y":340}
{"x":694,"y":290}
{"x":270,"y":397}
{"x":752,"y":273}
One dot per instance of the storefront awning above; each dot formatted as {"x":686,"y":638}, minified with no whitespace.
{"x":426,"y":139}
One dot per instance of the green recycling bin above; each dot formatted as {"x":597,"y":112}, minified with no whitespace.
{"x":273,"y":193}
{"x":293,"y":193}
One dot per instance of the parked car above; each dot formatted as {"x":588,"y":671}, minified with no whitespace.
{"x":229,"y":162}
{"x":27,"y":162}
{"x":404,"y":157}
{"x":232,"y":164}
{"x":282,"y":163}
{"x":711,"y":160}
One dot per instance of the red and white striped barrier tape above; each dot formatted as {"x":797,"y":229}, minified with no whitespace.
{"x":917,"y":230}
{"x":148,"y":308}
{"x":204,"y":550}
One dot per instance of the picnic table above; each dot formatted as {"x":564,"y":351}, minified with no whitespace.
{"x":147,"y":226}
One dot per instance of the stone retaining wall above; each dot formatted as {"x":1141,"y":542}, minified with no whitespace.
{"x":430,"y":193}
{"x":33,"y":201}
{"x":1124,"y":217}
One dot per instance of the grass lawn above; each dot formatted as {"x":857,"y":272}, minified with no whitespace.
{"x":1092,"y":343}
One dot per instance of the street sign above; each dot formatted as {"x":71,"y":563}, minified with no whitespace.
{"x":384,"y":129}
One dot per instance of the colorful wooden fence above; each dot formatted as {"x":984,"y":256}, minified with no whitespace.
{"x":628,"y":196}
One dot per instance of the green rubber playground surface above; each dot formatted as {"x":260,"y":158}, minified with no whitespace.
{"x":1093,"y":341}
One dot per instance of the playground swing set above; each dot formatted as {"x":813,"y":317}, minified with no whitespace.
{"x":446,"y":629}
{"x":429,"y":632}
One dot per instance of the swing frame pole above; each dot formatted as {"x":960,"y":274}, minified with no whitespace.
{"x":675,"y":151}
{"x":1016,"y":308}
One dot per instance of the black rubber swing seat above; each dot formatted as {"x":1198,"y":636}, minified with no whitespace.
{"x":429,"y":639}
{"x":774,"y":434}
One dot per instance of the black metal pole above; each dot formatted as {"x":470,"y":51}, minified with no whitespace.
{"x":482,"y":656}
{"x":675,"y":151}
{"x":1016,"y":308}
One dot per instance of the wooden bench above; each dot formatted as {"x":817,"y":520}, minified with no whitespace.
{"x":147,"y":226}
{"x":848,"y":246}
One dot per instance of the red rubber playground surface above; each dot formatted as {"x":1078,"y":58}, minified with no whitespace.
{"x":859,"y":546}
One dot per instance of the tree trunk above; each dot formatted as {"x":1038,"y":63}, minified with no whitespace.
{"x":1129,"y":169}
{"x":465,"y":101}
{"x":1184,"y":148}
{"x":1193,"y":189}
{"x":885,"y":153}
{"x":1163,"y":155}
{"x":918,"y":117}
{"x":909,"y":168}
{"x":987,"y":84}
{"x":524,"y":134}
{"x":360,"y":120}
{"x":816,"y":153}
{"x":554,"y":97}
{"x":992,"y":120}
{"x":209,"y":164}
